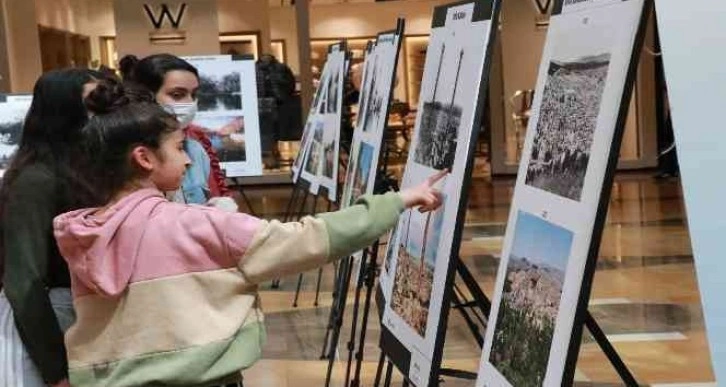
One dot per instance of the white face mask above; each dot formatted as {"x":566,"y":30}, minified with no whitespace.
{"x":184,"y":112}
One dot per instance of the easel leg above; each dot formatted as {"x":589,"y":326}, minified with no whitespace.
{"x":247,"y":201}
{"x":297,"y":290}
{"x":356,"y":307}
{"x":379,"y":369}
{"x":370,"y":278}
{"x":389,"y":375}
{"x":338,"y":320}
{"x":476,"y":292}
{"x":340,"y":275}
{"x":459,"y":305}
{"x":609,"y":351}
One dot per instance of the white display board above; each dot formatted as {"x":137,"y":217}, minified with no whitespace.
{"x":693,"y":42}
{"x":420,"y":261}
{"x":578,"y":112}
{"x":379,"y":70}
{"x":13,"y":109}
{"x":228,"y":113}
{"x":318,"y":158}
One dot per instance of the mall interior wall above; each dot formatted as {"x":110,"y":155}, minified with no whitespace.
{"x":20,"y":42}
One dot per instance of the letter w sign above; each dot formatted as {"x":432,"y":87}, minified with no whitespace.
{"x":158,"y":19}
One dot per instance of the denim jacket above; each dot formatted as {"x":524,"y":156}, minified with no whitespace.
{"x":195,"y":186}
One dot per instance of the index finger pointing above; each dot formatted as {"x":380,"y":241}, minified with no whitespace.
{"x":433,"y":179}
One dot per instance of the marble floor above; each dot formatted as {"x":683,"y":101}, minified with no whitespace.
{"x":645,"y":295}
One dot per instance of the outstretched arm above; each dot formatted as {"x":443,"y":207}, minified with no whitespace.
{"x":280,"y":249}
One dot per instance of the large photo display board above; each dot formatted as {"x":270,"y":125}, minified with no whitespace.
{"x":421,"y":257}
{"x":379,"y":72}
{"x":13,"y":109}
{"x":227,"y":111}
{"x":560,"y":198}
{"x":317,"y":160}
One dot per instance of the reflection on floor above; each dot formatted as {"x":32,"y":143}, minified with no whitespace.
{"x":645,"y":296}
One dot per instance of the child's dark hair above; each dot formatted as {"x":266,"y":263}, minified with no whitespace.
{"x":150,"y":71}
{"x":120,"y":123}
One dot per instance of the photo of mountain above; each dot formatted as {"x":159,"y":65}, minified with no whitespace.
{"x":530,"y":300}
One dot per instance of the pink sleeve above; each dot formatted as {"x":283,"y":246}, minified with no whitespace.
{"x":194,"y":238}
{"x":229,"y":232}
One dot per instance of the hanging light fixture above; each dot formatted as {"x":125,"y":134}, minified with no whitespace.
{"x":543,"y":9}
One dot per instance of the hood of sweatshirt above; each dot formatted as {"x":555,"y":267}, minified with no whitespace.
{"x":102,"y":249}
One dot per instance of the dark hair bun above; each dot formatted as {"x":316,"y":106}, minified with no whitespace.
{"x":126,"y":65}
{"x":108,"y":96}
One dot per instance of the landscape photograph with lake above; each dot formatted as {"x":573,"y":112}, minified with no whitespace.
{"x":219,"y":91}
{"x":530,"y":300}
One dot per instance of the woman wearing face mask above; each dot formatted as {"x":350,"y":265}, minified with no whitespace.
{"x":173,"y":83}
{"x":35,"y":301}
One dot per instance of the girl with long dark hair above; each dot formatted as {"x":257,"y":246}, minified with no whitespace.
{"x":35,"y":302}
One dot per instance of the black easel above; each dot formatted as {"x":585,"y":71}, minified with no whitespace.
{"x":367,"y":266}
{"x":302,"y":186}
{"x":366,"y":277}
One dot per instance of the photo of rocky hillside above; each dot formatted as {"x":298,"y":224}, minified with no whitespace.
{"x":567,"y":121}
{"x":530,"y":300}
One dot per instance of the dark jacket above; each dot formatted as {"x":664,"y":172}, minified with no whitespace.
{"x":33,"y":265}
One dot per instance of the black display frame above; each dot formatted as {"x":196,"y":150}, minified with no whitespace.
{"x":297,"y":179}
{"x":389,"y":344}
{"x":581,"y":313}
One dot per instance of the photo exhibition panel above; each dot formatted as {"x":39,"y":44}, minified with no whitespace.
{"x":577,"y":117}
{"x":419,"y":258}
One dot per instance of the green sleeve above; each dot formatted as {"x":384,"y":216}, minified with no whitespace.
{"x":27,"y":227}
{"x":356,"y":227}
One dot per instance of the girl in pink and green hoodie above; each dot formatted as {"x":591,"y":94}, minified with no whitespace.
{"x":166,"y":293}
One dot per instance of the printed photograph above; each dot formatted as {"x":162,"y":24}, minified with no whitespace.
{"x":530,"y":300}
{"x":315,"y":154}
{"x":440,"y":118}
{"x":365,"y":90}
{"x":330,"y":156}
{"x":416,"y":261}
{"x":361,"y":171}
{"x":220,"y":88}
{"x":333,"y":91}
{"x":567,"y":120}
{"x":12,"y":116}
{"x":349,"y":173}
{"x":374,"y":101}
{"x":303,"y":143}
{"x":227,"y":135}
{"x":391,"y":249}
{"x":320,"y":90}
